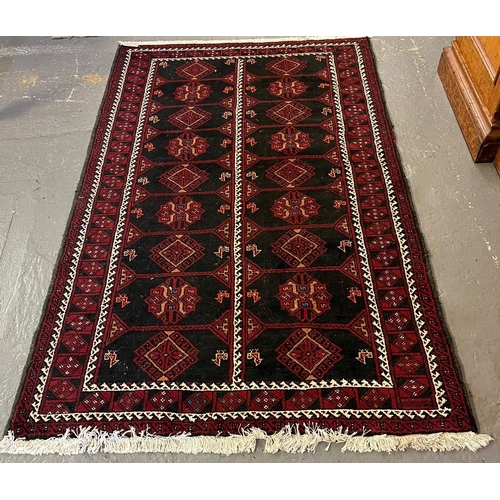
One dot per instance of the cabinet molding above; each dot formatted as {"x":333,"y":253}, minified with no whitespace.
{"x":470,"y":79}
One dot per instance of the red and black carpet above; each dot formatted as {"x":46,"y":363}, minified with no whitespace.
{"x":242,"y":263}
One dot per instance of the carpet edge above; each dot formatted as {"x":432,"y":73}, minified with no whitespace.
{"x":289,"y":440}
{"x":426,"y":253}
{"x":131,"y":43}
{"x":88,"y":167}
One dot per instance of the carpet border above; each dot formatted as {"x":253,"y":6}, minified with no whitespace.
{"x":423,"y":245}
{"x":58,"y":260}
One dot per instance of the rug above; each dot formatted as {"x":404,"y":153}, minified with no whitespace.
{"x":242,"y":264}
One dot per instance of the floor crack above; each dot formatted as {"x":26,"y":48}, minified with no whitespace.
{"x":9,"y":229}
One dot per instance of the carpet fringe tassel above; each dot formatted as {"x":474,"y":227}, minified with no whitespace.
{"x":289,"y":440}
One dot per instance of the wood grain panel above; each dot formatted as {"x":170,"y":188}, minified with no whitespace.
{"x":491,"y":45}
{"x":493,"y":105}
{"x":481,"y":137}
{"x":477,"y":64}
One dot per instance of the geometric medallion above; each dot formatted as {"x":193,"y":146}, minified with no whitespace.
{"x":89,"y":286}
{"x":286,"y":65}
{"x":394,"y":298}
{"x":196,"y":402}
{"x":180,"y":212}
{"x":128,"y":401}
{"x":162,"y":401}
{"x":373,"y":398}
{"x":176,"y":253}
{"x":290,"y":141}
{"x":63,"y":390}
{"x":289,"y":112}
{"x":287,"y":88}
{"x":408,"y":364}
{"x":398,"y":321}
{"x":187,"y":146}
{"x":299,"y":248}
{"x":295,"y":207}
{"x":192,"y":92}
{"x":265,"y":401}
{"x":183,"y":177}
{"x":414,"y":387}
{"x":195,"y":70}
{"x":301,"y":400}
{"x":404,"y":342}
{"x":172,"y":300}
{"x":389,"y":277}
{"x":290,"y":173}
{"x":338,"y":398}
{"x":304,"y":297}
{"x":308,"y":354}
{"x":232,"y":400}
{"x":166,"y":355}
{"x":385,"y":257}
{"x":190,"y":117}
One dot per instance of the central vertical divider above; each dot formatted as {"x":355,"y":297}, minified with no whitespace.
{"x":237,"y":249}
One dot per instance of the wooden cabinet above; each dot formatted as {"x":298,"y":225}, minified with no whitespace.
{"x":469,"y":70}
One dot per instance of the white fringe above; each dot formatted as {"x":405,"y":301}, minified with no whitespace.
{"x":236,"y":40}
{"x":291,"y":442}
{"x":91,"y":440}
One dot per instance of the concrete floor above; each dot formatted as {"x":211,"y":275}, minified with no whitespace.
{"x":50,"y":93}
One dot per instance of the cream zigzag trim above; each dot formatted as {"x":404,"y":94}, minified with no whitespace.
{"x":237,"y":250}
{"x":91,"y":440}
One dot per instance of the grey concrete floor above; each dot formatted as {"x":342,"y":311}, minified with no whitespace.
{"x":50,"y":94}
